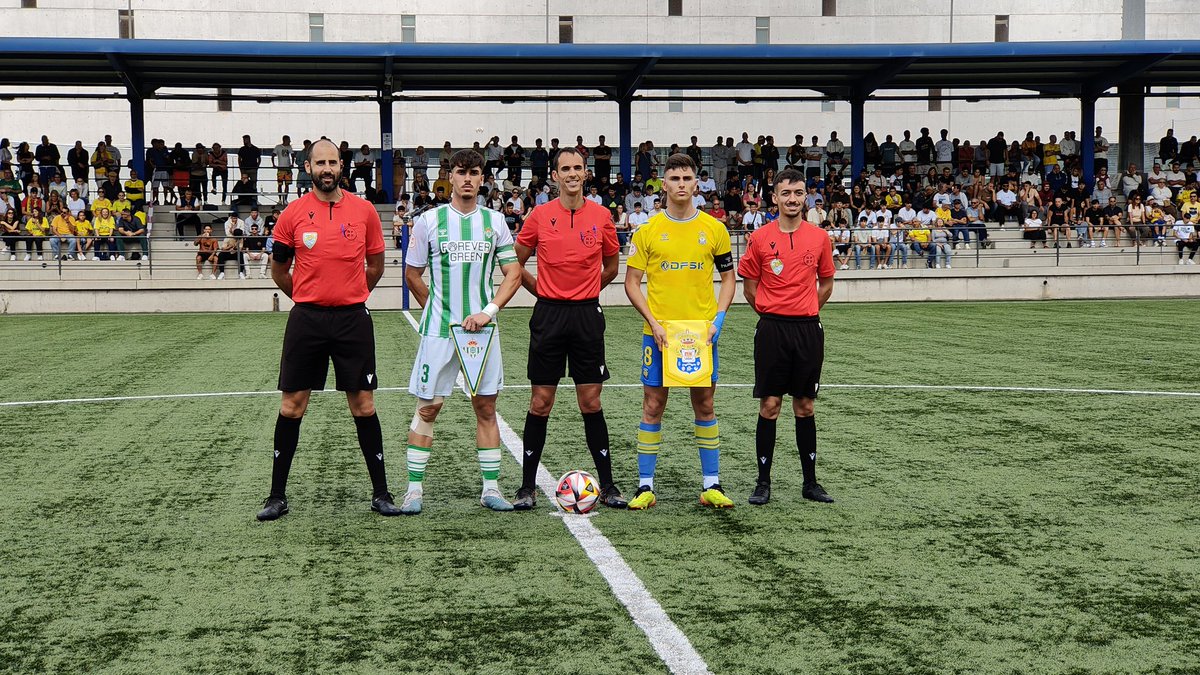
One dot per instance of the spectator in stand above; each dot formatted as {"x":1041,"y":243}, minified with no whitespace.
{"x":997,"y":155}
{"x":1093,"y":217}
{"x":1158,"y":222}
{"x":976,"y":223}
{"x":940,"y":244}
{"x":101,"y":160}
{"x":78,"y":160}
{"x":754,"y":218}
{"x":364,"y":168}
{"x":1168,"y":147}
{"x":132,"y":231}
{"x":1137,"y":218}
{"x":880,"y":239}
{"x":602,"y":160}
{"x":1114,"y":218}
{"x":921,"y":241}
{"x":862,"y":240}
{"x":514,"y":157}
{"x":304,"y":182}
{"x":231,"y":249}
{"x":1190,"y":209}
{"x":83,"y":236}
{"x":35,"y":228}
{"x":966,"y":156}
{"x":638,"y":217}
{"x":744,"y":156}
{"x":1058,"y":220}
{"x":840,"y":236}
{"x":10,"y":232}
{"x":62,"y":240}
{"x":717,"y":211}
{"x":198,"y":172}
{"x":817,"y":213}
{"x":48,"y":159}
{"x":959,"y":224}
{"x":1188,"y":151}
{"x":1175,"y":179}
{"x":1033,"y":230}
{"x":889,"y":155}
{"x":1057,"y":179}
{"x":944,"y":152}
{"x":245,"y":195}
{"x":254,"y":247}
{"x":249,"y":159}
{"x":1102,"y":187}
{"x":207,"y":253}
{"x":158,"y":163}
{"x":181,"y":168}
{"x":57,"y":184}
{"x":1050,"y":153}
{"x":539,"y":161}
{"x":75,"y":203}
{"x":187,"y":214}
{"x":420,"y":165}
{"x":24,"y":164}
{"x":107,"y":246}
{"x":217,"y":160}
{"x":1068,"y":149}
{"x":135,"y":191}
{"x":1185,"y":237}
{"x":835,"y":153}
{"x":1131,"y":181}
{"x":694,"y":151}
{"x":723,"y":155}
{"x":812,"y":159}
{"x":282,"y":159}
{"x":924,"y":149}
{"x":734,"y":206}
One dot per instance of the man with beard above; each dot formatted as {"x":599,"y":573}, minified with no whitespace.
{"x":787,"y":274}
{"x":577,"y":253}
{"x":330,"y":234}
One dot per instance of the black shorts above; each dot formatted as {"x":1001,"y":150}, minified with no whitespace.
{"x":562,"y":331}
{"x":788,"y":353}
{"x":316,"y":334}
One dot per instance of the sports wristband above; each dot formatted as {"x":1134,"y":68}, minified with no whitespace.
{"x":492,"y":309}
{"x":718,"y":321}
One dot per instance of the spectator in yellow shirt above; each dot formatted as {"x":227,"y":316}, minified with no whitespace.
{"x":135,"y":191}
{"x":105,"y":227}
{"x":920,"y":237}
{"x":36,"y":227}
{"x":62,"y":241}
{"x":121,"y":203}
{"x":83,"y":239}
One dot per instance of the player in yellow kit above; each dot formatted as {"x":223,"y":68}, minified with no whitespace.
{"x":677,"y":252}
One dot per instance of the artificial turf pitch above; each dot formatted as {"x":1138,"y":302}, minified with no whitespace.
{"x":974,"y":531}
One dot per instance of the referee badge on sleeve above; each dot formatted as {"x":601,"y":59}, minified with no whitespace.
{"x":310,"y":239}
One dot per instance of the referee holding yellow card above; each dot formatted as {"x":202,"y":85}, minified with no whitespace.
{"x":677,"y":252}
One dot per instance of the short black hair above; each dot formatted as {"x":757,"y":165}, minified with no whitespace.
{"x":789,"y":176}
{"x":466,"y":159}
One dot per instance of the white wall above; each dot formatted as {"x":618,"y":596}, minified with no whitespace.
{"x":619,"y":21}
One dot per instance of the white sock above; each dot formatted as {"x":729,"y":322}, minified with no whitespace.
{"x":646,"y":482}
{"x":490,"y":484}
{"x":416,"y":487}
{"x":710,"y":481}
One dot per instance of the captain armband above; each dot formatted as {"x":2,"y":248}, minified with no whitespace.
{"x":723,"y":262}
{"x":282,"y":253}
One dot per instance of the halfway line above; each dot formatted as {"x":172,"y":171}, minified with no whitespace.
{"x":672,"y":646}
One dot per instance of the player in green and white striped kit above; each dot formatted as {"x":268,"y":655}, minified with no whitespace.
{"x":461,"y":244}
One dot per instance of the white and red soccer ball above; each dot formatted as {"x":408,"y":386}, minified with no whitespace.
{"x":577,"y":492}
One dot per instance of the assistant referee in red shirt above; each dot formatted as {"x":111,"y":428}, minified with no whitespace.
{"x":577,"y":253}
{"x":329,"y":234}
{"x":787,"y":274}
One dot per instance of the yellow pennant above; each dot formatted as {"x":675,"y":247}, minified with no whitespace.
{"x":688,"y":358}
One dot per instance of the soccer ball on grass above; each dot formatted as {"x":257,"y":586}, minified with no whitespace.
{"x":577,"y":492}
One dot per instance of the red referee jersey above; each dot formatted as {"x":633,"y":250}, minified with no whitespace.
{"x":332,"y":242}
{"x":570,"y":246}
{"x":786,"y":266}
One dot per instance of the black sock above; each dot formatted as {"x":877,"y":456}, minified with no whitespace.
{"x":534,"y":440}
{"x":595,"y":429}
{"x":764,"y":447}
{"x":806,"y":443}
{"x":287,"y":436}
{"x":370,"y":439}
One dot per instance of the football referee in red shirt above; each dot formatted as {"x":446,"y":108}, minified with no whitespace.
{"x":328,"y":234}
{"x":577,"y":255}
{"x":787,"y":274}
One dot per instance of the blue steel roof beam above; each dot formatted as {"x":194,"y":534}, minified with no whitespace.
{"x":878,"y":78}
{"x":132,"y":83}
{"x":1128,"y":71}
{"x":630,"y":86}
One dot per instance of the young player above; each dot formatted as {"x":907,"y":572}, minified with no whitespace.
{"x":577,"y":253}
{"x":787,"y":275}
{"x":677,"y":252}
{"x":461,"y":243}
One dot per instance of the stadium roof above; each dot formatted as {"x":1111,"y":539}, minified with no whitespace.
{"x":617,"y":71}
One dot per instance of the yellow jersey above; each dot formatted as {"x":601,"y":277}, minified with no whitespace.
{"x":37,"y":226}
{"x":120,"y":205}
{"x":105,"y":226}
{"x":920,"y":235}
{"x":135,"y":189}
{"x":82,"y":228}
{"x":679,"y":259}
{"x":101,"y":203}
{"x":63,"y":227}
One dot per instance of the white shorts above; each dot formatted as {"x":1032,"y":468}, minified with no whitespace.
{"x":436,"y":368}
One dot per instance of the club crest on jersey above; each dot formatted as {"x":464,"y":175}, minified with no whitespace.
{"x":689,"y":355}
{"x":487,"y":231}
{"x":703,"y":239}
{"x":664,"y":237}
{"x":777,"y":266}
{"x":310,"y":239}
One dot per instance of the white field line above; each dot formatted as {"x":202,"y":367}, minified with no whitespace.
{"x":723,"y":385}
{"x":672,"y":646}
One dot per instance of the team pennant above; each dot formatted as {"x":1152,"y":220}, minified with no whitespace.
{"x":688,"y":358}
{"x":473,"y":350}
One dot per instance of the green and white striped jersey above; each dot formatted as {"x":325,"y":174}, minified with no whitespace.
{"x":461,"y":252}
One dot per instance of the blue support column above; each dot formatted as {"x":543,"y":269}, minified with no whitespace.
{"x":137,"y":136}
{"x":625,"y":136}
{"x":386,"y":154}
{"x":858,"y":159}
{"x":1087,"y":127}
